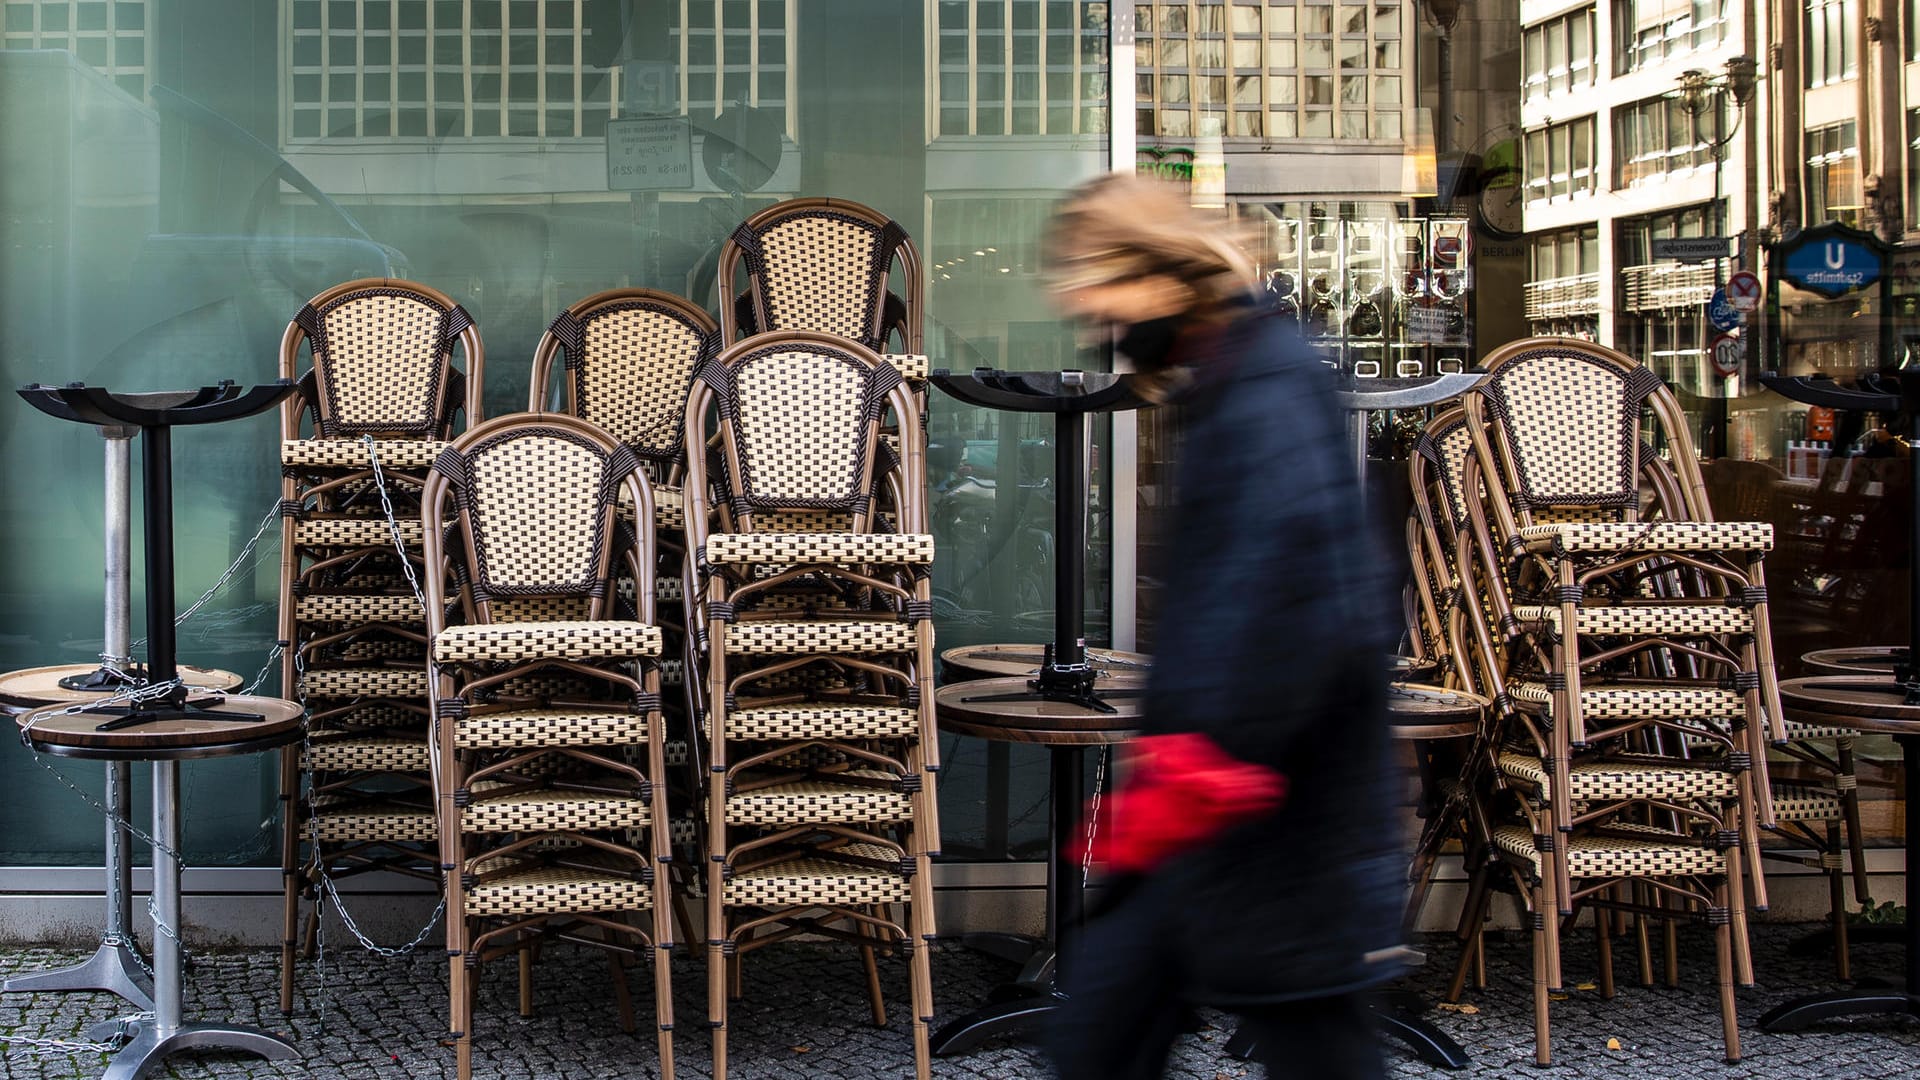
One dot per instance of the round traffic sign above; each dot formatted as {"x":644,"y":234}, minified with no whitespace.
{"x":1720,"y":311}
{"x":1724,"y":355}
{"x":1743,"y":292}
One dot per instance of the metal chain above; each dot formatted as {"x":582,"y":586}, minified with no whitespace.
{"x":112,"y":940}
{"x":393,"y":526}
{"x":240,"y":561}
{"x":1093,"y":815}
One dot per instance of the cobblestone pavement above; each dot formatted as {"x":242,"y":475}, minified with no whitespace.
{"x":804,"y":1016}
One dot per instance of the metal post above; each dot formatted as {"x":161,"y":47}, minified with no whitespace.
{"x":118,"y":643}
{"x":1070,"y":539}
{"x":166,"y":893}
{"x":157,"y":472}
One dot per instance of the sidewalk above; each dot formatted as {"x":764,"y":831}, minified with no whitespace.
{"x":805,"y":1016}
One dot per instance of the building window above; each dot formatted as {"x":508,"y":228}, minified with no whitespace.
{"x":1563,"y":282}
{"x":1559,"y":159}
{"x":1913,"y":169}
{"x":374,"y":69}
{"x":110,"y":38}
{"x":1021,"y":67}
{"x":1654,"y":137}
{"x":1648,"y":32}
{"x":1833,"y":173}
{"x":1312,"y":70}
{"x":1560,"y":54}
{"x":1831,"y":41}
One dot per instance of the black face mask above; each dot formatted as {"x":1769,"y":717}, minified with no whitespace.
{"x":1149,"y":343}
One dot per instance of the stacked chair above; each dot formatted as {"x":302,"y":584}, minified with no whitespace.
{"x":375,"y":407}
{"x":808,"y":566}
{"x":627,"y":358}
{"x":548,"y":756}
{"x":1623,"y":636}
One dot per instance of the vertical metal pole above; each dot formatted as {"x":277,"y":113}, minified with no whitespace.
{"x":157,"y":472}
{"x":1910,"y":762}
{"x":1123,"y":471}
{"x":166,"y":896}
{"x":1070,"y":538}
{"x":118,"y":643}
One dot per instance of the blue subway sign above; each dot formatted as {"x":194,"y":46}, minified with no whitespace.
{"x":1832,"y":265}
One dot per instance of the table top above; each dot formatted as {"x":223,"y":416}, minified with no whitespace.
{"x":1423,"y":711}
{"x":991,"y":661}
{"x":1048,"y":723}
{"x":55,"y":731}
{"x":1862,"y":702}
{"x":1859,"y":660}
{"x":30,"y":688}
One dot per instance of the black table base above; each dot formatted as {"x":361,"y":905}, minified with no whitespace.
{"x":1396,"y":1013}
{"x":1869,"y":1000}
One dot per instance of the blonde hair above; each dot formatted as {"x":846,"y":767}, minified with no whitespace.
{"x":1121,"y":227}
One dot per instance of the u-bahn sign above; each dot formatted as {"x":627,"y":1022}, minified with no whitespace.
{"x":1832,"y":260}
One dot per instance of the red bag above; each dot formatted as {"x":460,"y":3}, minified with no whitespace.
{"x":1180,"y":791}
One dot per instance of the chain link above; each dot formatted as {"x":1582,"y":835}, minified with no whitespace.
{"x":240,"y":561}
{"x":393,"y":526}
{"x":1093,"y":815}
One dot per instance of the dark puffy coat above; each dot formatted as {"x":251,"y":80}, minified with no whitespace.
{"x":1279,"y":611}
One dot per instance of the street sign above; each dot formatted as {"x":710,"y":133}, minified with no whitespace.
{"x":652,"y":153}
{"x":1724,"y":354}
{"x":1720,"y":312}
{"x":1743,"y":292}
{"x":1690,"y":248}
{"x":1832,"y":265}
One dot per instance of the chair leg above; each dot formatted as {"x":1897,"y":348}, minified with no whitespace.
{"x":1848,"y":785}
{"x":1470,"y":932}
{"x":290,"y":876}
{"x":1671,"y":934}
{"x":1837,"y":902}
{"x":526,"y":978}
{"x":1723,"y":962}
{"x":663,"y":1008}
{"x":920,"y":970}
{"x":1543,"y":917}
{"x":1603,"y":940}
{"x":1643,"y":946}
{"x":460,"y":1009}
{"x":1737,"y":914}
{"x":875,"y":997}
{"x":717,"y":1000}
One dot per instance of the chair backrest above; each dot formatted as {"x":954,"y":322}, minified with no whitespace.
{"x":798,"y":416}
{"x":630,"y":355}
{"x":382,"y":359}
{"x":823,"y":265}
{"x":535,"y":497}
{"x":1557,"y":420}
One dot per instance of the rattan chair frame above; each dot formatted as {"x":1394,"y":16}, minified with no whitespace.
{"x":745,"y":250}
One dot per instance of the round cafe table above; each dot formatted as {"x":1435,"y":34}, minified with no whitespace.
{"x":1005,"y":661}
{"x":114,"y":967}
{"x":1862,"y":660}
{"x":217,"y":727}
{"x":1871,"y":705}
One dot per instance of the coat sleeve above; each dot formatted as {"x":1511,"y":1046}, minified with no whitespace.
{"x":1277,"y":609}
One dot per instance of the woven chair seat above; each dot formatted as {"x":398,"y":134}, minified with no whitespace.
{"x":1619,"y":536}
{"x":819,"y":636}
{"x":1613,"y":856}
{"x":817,"y":802}
{"x":821,"y":720}
{"x":607,"y":883}
{"x":519,"y":642}
{"x":336,"y":751}
{"x":669,"y":509}
{"x":366,"y":650}
{"x":372,"y":823}
{"x":1800,"y":729}
{"x":510,"y":808}
{"x":1612,"y":781}
{"x":373,"y":714}
{"x":364,"y":682}
{"x":820,"y":880}
{"x":530,"y":728}
{"x":336,"y":608}
{"x":820,"y":547}
{"x":358,"y":532}
{"x":1643,"y":702}
{"x":1800,"y":803}
{"x":396,"y":455}
{"x":911,"y":366}
{"x":1635,"y":620}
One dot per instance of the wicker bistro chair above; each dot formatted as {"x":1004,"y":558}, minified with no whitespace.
{"x":547,"y":725}
{"x":816,"y":652}
{"x":379,"y":394}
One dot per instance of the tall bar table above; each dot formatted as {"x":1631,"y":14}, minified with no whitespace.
{"x":172,"y":724}
{"x":116,"y":966}
{"x":1067,"y":705}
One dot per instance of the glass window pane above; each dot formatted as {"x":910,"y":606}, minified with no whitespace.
{"x":1316,"y":54}
{"x":1246,"y":123}
{"x":1247,"y":54}
{"x":1282,"y":89}
{"x":1318,"y":124}
{"x":1245,"y":19}
{"x":1353,"y":125}
{"x":1282,"y":54}
{"x":1353,"y":89}
{"x":1246,"y":89}
{"x":1283,"y":125}
{"x":1386,"y":89}
{"x":1281,"y":20}
{"x":1319,"y":89}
